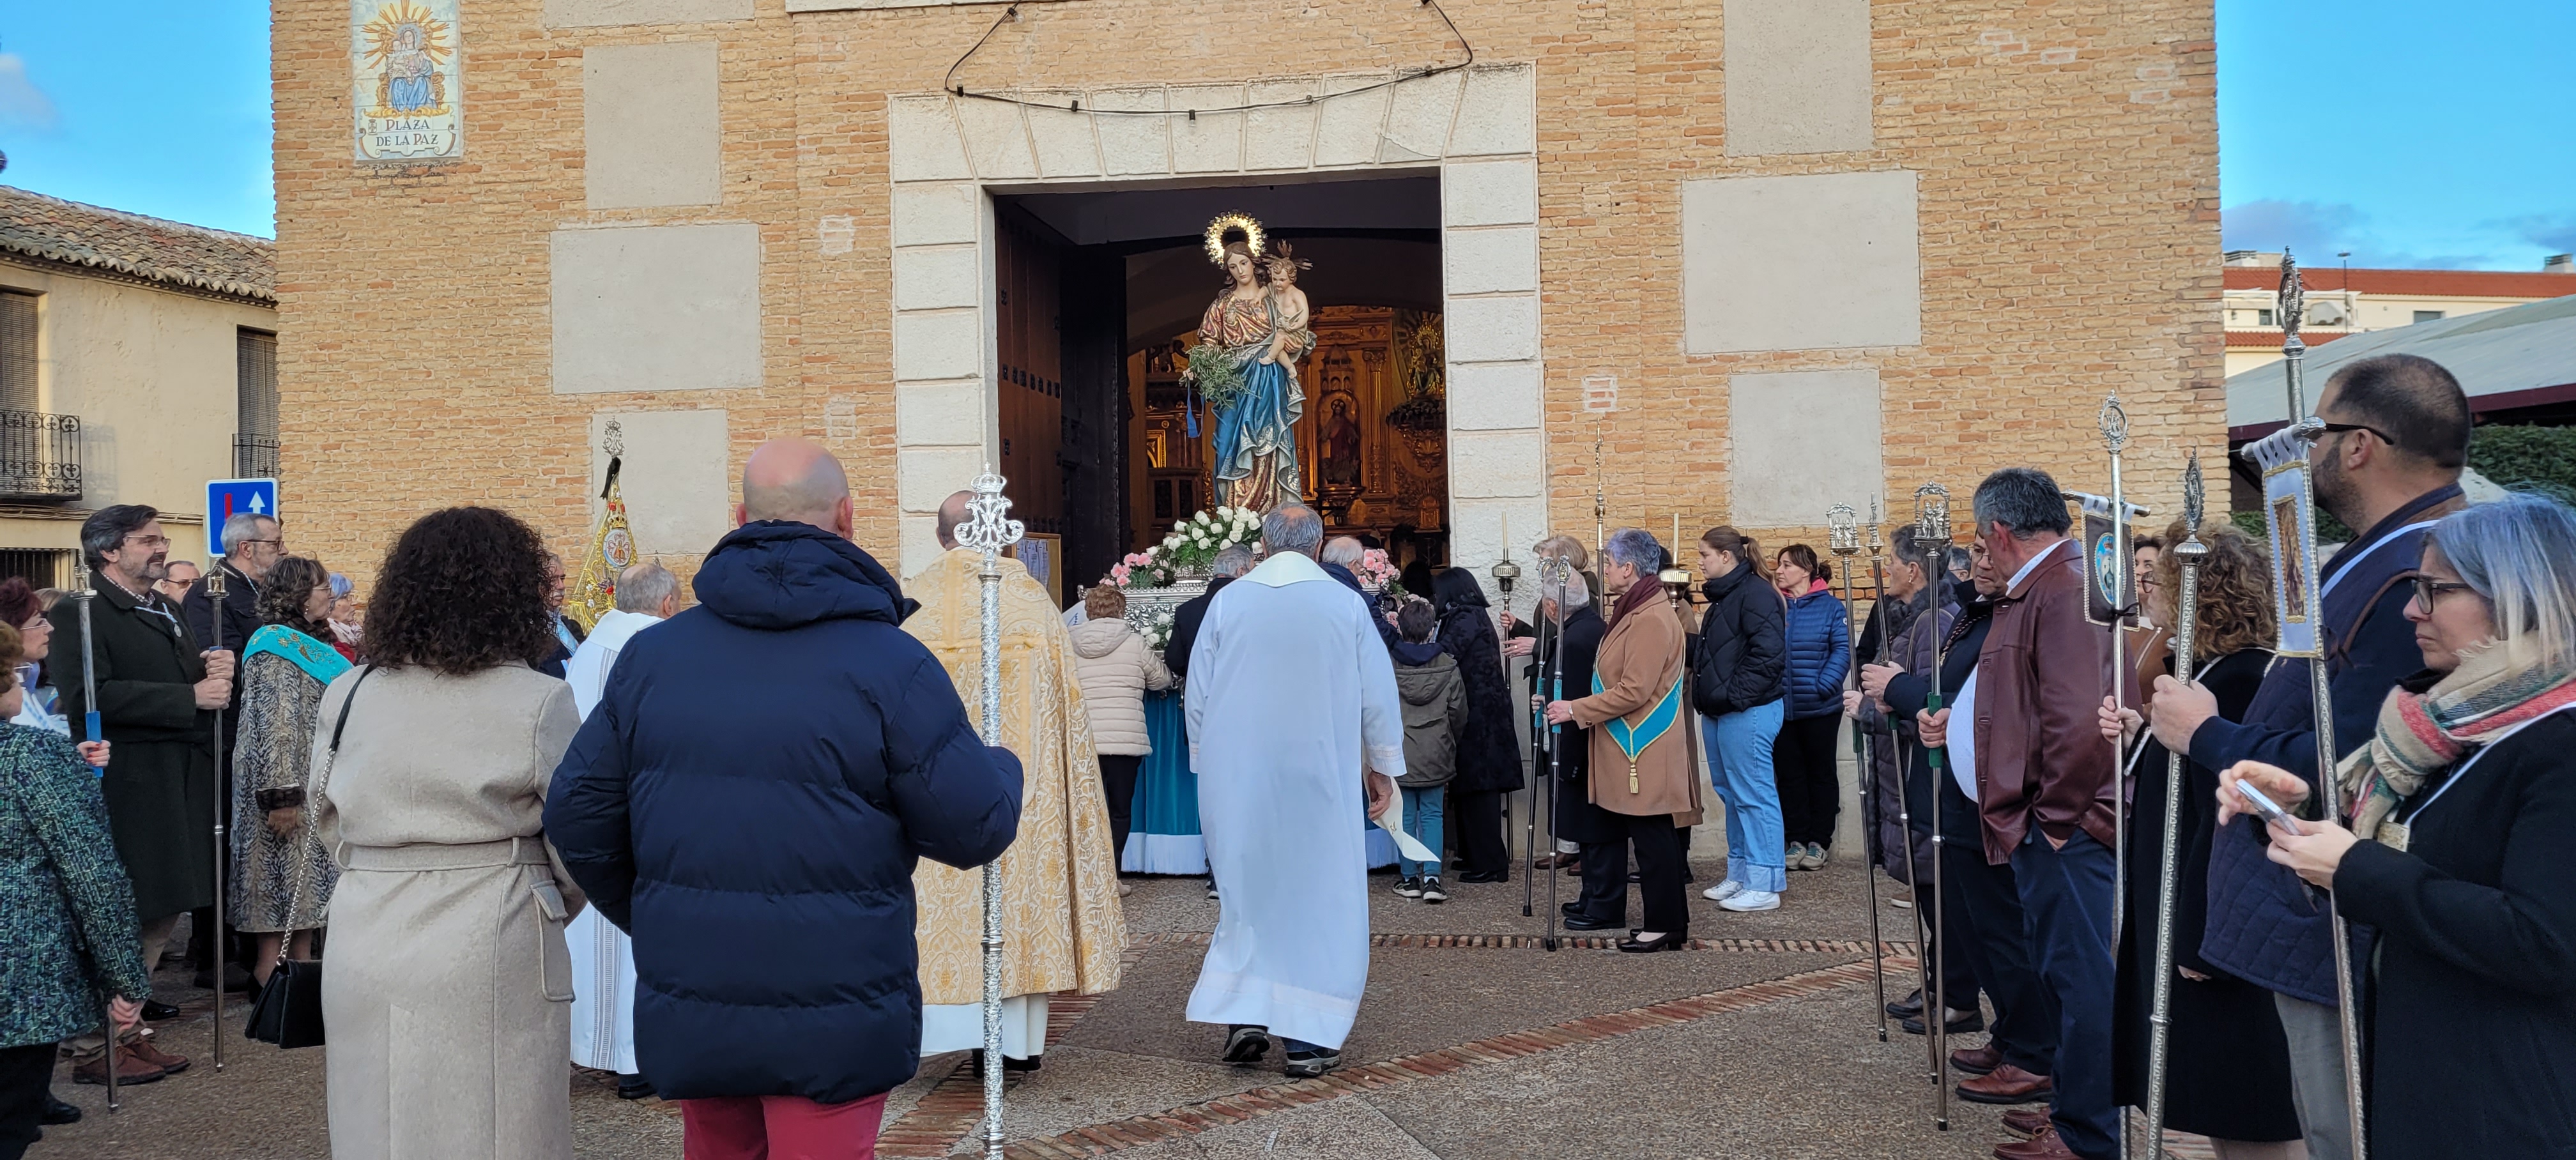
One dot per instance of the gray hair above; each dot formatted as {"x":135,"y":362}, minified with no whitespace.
{"x":1292,"y":527}
{"x":2024,"y":500}
{"x":1570,"y":591}
{"x":241,"y":529}
{"x":1900,"y":544}
{"x":643,"y":587}
{"x":1234,"y":560}
{"x":1344,"y":550}
{"x":1962,"y":561}
{"x":1636,"y":548}
{"x":2519,"y":554}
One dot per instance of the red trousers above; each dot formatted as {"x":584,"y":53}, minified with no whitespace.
{"x":780,"y":1128}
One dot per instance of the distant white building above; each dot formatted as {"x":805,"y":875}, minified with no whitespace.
{"x":2342,"y":302}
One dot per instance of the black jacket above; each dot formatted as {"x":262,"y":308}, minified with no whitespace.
{"x":1185,"y":628}
{"x":1577,"y":819}
{"x":160,"y":784}
{"x":1489,"y":749}
{"x":1740,"y":658}
{"x":2472,"y":1011}
{"x":749,"y":799}
{"x":241,"y":618}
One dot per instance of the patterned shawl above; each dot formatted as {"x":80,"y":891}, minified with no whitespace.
{"x":2497,"y":686}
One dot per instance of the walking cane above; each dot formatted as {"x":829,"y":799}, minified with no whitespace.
{"x":1844,"y":525}
{"x":988,"y":532}
{"x":2283,"y":454}
{"x":1932,"y":526}
{"x":1557,"y":575}
{"x":81,"y":593}
{"x":2186,"y":621}
{"x":215,"y":598}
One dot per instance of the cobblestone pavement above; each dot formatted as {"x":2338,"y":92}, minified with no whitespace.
{"x":1474,"y":1042}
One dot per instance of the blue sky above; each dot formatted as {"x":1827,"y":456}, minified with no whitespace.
{"x":2412,"y":135}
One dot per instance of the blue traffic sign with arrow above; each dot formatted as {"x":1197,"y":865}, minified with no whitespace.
{"x":226,"y":498}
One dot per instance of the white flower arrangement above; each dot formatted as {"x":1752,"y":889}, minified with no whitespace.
{"x":1191,"y":546}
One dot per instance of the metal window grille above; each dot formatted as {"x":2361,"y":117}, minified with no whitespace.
{"x":255,"y":394}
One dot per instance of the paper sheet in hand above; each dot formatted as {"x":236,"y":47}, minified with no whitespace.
{"x":1391,"y":820}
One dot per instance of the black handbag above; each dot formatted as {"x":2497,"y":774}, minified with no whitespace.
{"x":288,"y":1011}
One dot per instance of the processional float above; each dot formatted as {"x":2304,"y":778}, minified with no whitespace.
{"x":2289,"y":510}
{"x":986,"y":531}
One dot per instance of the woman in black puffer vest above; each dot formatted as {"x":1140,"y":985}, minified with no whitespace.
{"x":1739,"y":684}
{"x":1489,"y":755}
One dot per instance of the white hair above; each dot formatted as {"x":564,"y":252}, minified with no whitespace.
{"x":643,"y":587}
{"x":1292,"y":527}
{"x":1345,"y":551}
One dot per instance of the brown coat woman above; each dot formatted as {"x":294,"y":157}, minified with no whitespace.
{"x":1640,"y":769}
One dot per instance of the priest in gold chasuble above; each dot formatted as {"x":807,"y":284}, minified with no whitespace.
{"x":1061,"y":926}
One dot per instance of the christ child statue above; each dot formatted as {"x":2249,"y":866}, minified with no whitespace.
{"x":1293,"y":336}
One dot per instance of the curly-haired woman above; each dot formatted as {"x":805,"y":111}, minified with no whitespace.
{"x":2227,"y":1068}
{"x":282,"y":875}
{"x":450,"y":990}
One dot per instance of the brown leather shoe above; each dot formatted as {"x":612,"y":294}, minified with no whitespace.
{"x":2027,"y":1122}
{"x":1977,"y":1060}
{"x":141,"y":1048}
{"x":2045,"y":1146}
{"x":129,"y":1069}
{"x":2006,"y":1084}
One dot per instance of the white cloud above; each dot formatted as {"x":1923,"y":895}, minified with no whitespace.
{"x":22,"y":104}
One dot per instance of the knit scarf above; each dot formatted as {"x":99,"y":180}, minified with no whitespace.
{"x":2497,"y":686}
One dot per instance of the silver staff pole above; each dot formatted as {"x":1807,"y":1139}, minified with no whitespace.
{"x":1932,"y":526}
{"x":2186,"y":622}
{"x":1555,"y":574}
{"x":2114,"y":422}
{"x":215,"y":599}
{"x":1843,"y":525}
{"x":1905,"y":813}
{"x":988,"y":532}
{"x":1896,"y":758}
{"x":1505,"y":573}
{"x":81,"y":594}
{"x":2305,"y":428}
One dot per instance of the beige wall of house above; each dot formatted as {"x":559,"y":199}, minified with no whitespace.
{"x":150,"y":373}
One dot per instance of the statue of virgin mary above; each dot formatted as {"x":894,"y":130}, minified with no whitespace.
{"x":1259,"y":322}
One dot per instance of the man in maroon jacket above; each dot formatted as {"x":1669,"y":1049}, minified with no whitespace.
{"x":2044,"y":786}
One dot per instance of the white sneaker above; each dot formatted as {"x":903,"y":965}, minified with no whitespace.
{"x":1751,"y":900}
{"x":1723,"y":891}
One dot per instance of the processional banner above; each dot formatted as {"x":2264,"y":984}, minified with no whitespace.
{"x":2110,"y":582}
{"x":2289,"y":513}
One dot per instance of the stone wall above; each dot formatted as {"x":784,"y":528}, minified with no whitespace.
{"x":1973,"y":219}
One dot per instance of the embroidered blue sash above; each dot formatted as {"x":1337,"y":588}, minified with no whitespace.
{"x":318,"y":660}
{"x":1634,"y":740}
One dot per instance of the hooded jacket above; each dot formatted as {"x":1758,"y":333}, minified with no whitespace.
{"x":1435,"y":712}
{"x":1818,"y":637}
{"x":748,"y":801}
{"x":1116,"y":670}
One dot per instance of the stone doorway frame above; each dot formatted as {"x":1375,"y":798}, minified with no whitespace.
{"x":949,"y":156}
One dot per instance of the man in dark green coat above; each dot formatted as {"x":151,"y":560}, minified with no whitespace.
{"x":156,"y":693}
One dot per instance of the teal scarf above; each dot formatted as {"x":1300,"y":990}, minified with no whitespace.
{"x":318,"y":660}
{"x":1634,"y":740}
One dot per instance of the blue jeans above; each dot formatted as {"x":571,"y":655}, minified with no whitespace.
{"x":1739,"y":766}
{"x":1422,"y":820}
{"x":2066,"y":900}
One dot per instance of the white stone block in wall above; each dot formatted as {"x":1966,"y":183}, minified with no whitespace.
{"x":1498,"y":114}
{"x":676,"y":477}
{"x":1494,"y":396}
{"x":918,"y":543}
{"x":1803,"y":441}
{"x":949,"y":413}
{"x":604,"y":13}
{"x":648,"y":125}
{"x":1489,"y":193}
{"x":937,"y":278}
{"x":1063,"y":138}
{"x":1283,"y":136}
{"x":1492,"y":329}
{"x":1476,"y":527}
{"x":1349,"y":126}
{"x":1797,"y":76}
{"x":947,"y":344}
{"x":997,"y":139}
{"x":936,"y":215}
{"x":1209,"y":142}
{"x":1490,"y":261}
{"x":925,"y":476}
{"x":924,"y":143}
{"x":656,"y":308}
{"x":1132,"y":144}
{"x":1805,"y":262}
{"x":1490,"y":464}
{"x":1419,"y":115}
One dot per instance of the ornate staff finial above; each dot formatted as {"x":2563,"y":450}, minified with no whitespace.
{"x":2114,"y":421}
{"x":614,"y":440}
{"x":985,"y":529}
{"x":1843,"y":524}
{"x":2294,"y":299}
{"x":2194,"y":495}
{"x":1932,"y":514}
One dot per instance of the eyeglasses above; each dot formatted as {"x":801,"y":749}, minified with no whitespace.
{"x":279,"y":541}
{"x":2331,"y":428}
{"x":2428,"y":589}
{"x":149,"y":541}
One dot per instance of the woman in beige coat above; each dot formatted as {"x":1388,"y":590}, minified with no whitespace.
{"x":448,"y":998}
{"x":1640,"y":763}
{"x":1116,"y":671}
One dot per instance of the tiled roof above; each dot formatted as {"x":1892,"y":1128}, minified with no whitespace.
{"x":2251,"y":339}
{"x":137,"y":246}
{"x":2422,"y":283}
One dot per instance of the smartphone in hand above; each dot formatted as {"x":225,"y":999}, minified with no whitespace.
{"x":2270,"y":809}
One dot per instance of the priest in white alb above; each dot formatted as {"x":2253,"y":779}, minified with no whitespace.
{"x":603,"y":957}
{"x":1294,"y":724}
{"x":1061,"y":927}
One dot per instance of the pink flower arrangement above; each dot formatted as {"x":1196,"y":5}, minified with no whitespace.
{"x":1376,"y":571}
